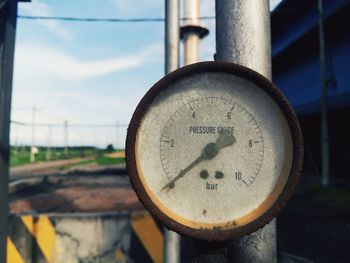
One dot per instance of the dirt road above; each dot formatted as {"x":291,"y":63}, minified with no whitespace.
{"x":42,"y":168}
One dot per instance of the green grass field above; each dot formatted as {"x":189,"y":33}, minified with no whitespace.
{"x":104,"y":160}
{"x":21,"y":156}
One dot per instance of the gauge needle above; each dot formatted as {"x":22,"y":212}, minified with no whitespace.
{"x":209,"y":152}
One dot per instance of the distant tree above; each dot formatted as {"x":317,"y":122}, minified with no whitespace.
{"x":110,"y":148}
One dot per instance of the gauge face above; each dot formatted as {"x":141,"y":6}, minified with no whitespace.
{"x":228,"y":166}
{"x":210,"y":150}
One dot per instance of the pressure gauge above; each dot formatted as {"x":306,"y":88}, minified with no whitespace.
{"x":214,"y":151}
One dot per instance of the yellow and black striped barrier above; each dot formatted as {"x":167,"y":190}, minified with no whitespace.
{"x":31,"y":239}
{"x":34,"y":239}
{"x":149,"y":235}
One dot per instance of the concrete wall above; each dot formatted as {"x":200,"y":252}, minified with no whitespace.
{"x":83,"y":238}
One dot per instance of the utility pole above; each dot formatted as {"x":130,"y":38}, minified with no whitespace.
{"x":48,"y":150}
{"x":172,"y":41}
{"x":243,"y":37}
{"x":23,"y":150}
{"x":8,"y":15}
{"x":117,"y":139}
{"x":15,"y":147}
{"x":192,"y":31}
{"x":32,"y":144}
{"x":324,"y":99}
{"x":95,"y":145}
{"x":14,"y":144}
{"x":65,"y":125}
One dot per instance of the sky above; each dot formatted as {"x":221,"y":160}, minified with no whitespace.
{"x":88,"y":72}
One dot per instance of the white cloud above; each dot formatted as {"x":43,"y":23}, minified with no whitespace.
{"x":38,"y":8}
{"x":47,"y":77}
{"x":53,"y":63}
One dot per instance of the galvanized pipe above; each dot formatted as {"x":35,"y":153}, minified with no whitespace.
{"x":209,"y":252}
{"x":259,"y":246}
{"x":172,"y":35}
{"x":243,"y":37}
{"x":191,"y":8}
{"x":243,"y":34}
{"x":172,"y":44}
{"x":171,"y":247}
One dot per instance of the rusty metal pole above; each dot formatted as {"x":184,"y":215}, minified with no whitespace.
{"x":192,"y":31}
{"x":243,"y":37}
{"x":324,"y":99}
{"x":8,"y":15}
{"x":172,"y":42}
{"x":191,"y":39}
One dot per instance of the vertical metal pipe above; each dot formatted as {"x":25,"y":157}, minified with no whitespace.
{"x":259,"y":246}
{"x":243,"y":34}
{"x":324,"y":99}
{"x":243,"y":37}
{"x":172,"y":42}
{"x":191,"y":8}
{"x":8,"y":15}
{"x":172,"y":35}
{"x":191,"y":38}
{"x":191,"y":48}
{"x":192,"y":31}
{"x":171,"y":247}
{"x":209,"y":252}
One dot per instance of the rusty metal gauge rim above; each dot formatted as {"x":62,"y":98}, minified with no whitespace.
{"x":216,"y":234}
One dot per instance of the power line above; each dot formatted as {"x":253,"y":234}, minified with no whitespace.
{"x":114,"y":20}
{"x":77,"y":125}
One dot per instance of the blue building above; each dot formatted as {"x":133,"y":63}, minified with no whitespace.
{"x":296,"y":71}
{"x":295,"y":52}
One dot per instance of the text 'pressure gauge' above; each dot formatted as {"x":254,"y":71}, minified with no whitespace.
{"x":214,"y":151}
